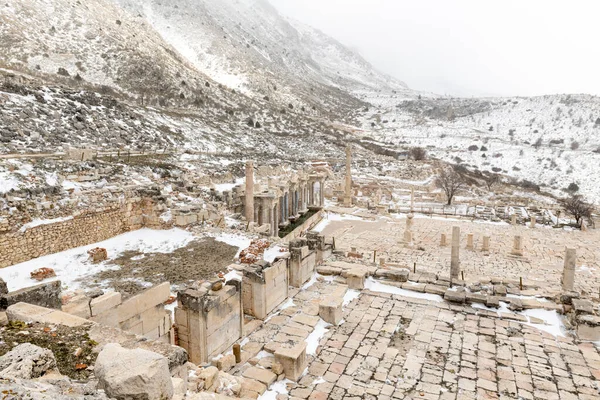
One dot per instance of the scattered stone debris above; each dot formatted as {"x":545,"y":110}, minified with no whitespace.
{"x":42,"y":273}
{"x":98,"y":255}
{"x":254,"y":252}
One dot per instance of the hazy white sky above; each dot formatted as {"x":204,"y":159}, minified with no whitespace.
{"x":468,"y":47}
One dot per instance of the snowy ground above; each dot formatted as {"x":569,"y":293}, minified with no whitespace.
{"x":71,"y":266}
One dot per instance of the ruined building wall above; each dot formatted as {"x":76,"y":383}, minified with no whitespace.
{"x":18,"y":246}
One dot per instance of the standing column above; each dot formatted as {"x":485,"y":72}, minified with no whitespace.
{"x":275,"y":222}
{"x":322,"y":193}
{"x":568,"y":278}
{"x":517,"y":246}
{"x":454,"y":257}
{"x":348,"y":182}
{"x":412,"y":199}
{"x":249,"y":191}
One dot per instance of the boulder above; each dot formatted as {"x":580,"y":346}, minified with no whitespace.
{"x":133,"y":374}
{"x":26,"y":361}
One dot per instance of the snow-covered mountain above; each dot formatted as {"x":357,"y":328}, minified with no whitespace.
{"x":247,"y":46}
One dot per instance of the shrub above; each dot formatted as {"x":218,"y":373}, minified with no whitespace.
{"x":573,"y":187}
{"x":574,"y":145}
{"x":473,"y":147}
{"x":483,"y":148}
{"x":417,"y":153}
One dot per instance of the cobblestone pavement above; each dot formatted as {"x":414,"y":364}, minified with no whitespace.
{"x":390,"y":346}
{"x":541,"y":263}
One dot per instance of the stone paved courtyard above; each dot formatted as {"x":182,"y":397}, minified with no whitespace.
{"x":542,"y":262}
{"x":390,"y":346}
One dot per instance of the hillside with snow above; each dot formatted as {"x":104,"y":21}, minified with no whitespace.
{"x":552,"y":141}
{"x":247,"y":46}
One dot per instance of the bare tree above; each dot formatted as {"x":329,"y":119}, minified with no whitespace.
{"x":450,"y":181}
{"x":577,"y":207}
{"x":417,"y":153}
{"x":491,"y":180}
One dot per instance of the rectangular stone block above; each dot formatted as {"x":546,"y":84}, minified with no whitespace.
{"x":105,"y":303}
{"x":32,"y":313}
{"x":330,"y":310}
{"x":454,"y":296}
{"x":293,"y":360}
{"x":355,"y":279}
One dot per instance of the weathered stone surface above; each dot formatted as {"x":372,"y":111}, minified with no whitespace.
{"x":398,"y":275}
{"x":26,"y":361}
{"x":293,"y":360}
{"x":260,"y":374}
{"x":330,"y":310}
{"x":208,"y":375}
{"x":133,"y":374}
{"x":356,"y":279}
{"x":29,"y":312}
{"x":3,"y":287}
{"x":583,"y":306}
{"x":44,"y":295}
{"x":105,"y":302}
{"x":454,"y":296}
{"x":226,"y":362}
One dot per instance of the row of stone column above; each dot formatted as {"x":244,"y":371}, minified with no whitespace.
{"x":568,"y":278}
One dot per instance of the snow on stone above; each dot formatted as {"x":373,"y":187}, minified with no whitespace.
{"x":222,"y":187}
{"x":330,"y":216}
{"x":376,"y":286}
{"x":39,"y":222}
{"x":279,"y":387}
{"x":72,"y":265}
{"x":271,"y":253}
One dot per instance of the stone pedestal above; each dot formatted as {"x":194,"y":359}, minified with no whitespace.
{"x":454,"y":257}
{"x":293,"y":360}
{"x":486,"y":244}
{"x":302,"y":262}
{"x":533,"y":222}
{"x":470,"y":241}
{"x":568,"y":277}
{"x":264,"y":287}
{"x":443,"y":240}
{"x":355,"y":279}
{"x":330,"y":310}
{"x":208,"y":322}
{"x":513,"y":219}
{"x":517,"y":249}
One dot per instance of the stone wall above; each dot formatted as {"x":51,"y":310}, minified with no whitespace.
{"x":264,"y":287}
{"x":84,"y":228}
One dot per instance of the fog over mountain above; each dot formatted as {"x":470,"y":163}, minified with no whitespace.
{"x":468,"y":47}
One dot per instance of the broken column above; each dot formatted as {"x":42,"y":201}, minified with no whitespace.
{"x":486,"y":244}
{"x":470,"y":241}
{"x":249,"y":206}
{"x":568,"y":277}
{"x":408,"y":237}
{"x":443,"y":240}
{"x":209,"y":321}
{"x":533,"y":222}
{"x":412,"y":199}
{"x":348,"y":179}
{"x":454,"y":257}
{"x":513,"y":219}
{"x":264,"y":287}
{"x":517,"y":249}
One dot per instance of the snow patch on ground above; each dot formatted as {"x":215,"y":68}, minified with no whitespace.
{"x":73,"y":265}
{"x":279,"y":387}
{"x":312,"y":341}
{"x":376,"y":286}
{"x":241,"y":242}
{"x":350,"y":295}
